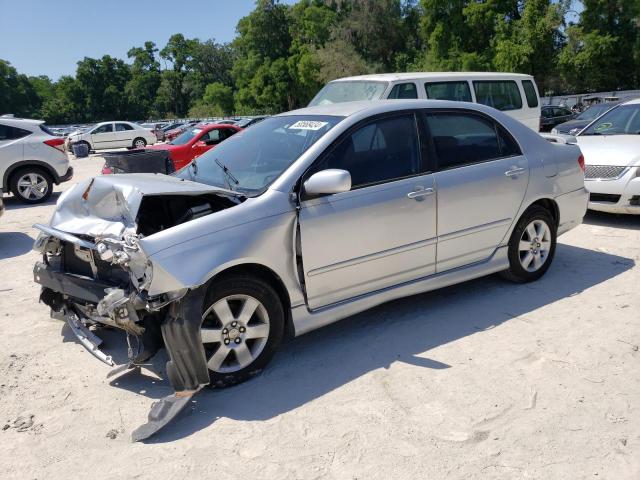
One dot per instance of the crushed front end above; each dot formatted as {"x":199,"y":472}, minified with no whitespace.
{"x":102,"y":278}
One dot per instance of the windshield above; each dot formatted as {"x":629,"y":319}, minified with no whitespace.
{"x":594,"y":111}
{"x":351,"y":91}
{"x":186,"y":137}
{"x":622,"y":120}
{"x":252,"y":159}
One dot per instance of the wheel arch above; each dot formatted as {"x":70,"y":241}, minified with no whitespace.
{"x":28,"y":163}
{"x":548,"y":204}
{"x":268,"y":275}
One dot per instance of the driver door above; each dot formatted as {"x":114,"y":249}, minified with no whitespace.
{"x":103,"y":137}
{"x":380,"y":233}
{"x":206,"y":142}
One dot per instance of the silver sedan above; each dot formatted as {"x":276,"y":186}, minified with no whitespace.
{"x":304,"y":219}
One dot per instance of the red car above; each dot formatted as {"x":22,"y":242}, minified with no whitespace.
{"x":195,"y":141}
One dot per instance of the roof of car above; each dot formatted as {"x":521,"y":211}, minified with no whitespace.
{"x":635,"y":101}
{"x":18,"y":122}
{"x":432,"y":75}
{"x":346,"y":109}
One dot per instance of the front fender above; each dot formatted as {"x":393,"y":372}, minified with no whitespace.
{"x":266,"y":242}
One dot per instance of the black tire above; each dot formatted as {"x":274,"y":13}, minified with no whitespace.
{"x":39,"y":173}
{"x":238,"y":284}
{"x":516,"y":272}
{"x":82,"y":142}
{"x":140,"y":140}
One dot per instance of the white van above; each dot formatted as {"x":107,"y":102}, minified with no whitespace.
{"x":513,"y":93}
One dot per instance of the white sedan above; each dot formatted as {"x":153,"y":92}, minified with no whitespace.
{"x":113,"y":135}
{"x":611,"y":149}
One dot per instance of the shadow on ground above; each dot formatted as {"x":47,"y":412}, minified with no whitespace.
{"x":14,"y":244}
{"x":404,"y":330}
{"x":602,"y":219}
{"x":13,"y":203}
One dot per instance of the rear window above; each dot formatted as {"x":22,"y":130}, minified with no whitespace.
{"x":530,"y":93}
{"x":12,"y":133}
{"x":501,"y":95}
{"x":456,"y":91}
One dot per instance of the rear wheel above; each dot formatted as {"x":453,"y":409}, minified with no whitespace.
{"x":31,"y":185}
{"x":139,"y":143}
{"x":242,"y":326}
{"x":532,"y":246}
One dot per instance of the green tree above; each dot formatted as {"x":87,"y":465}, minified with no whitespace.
{"x":142,"y":88}
{"x":66,"y":103}
{"x":217,"y":101}
{"x":530,"y":43}
{"x":174,"y":94}
{"x":600,"y":52}
{"x":103,"y":82}
{"x":17,"y":95}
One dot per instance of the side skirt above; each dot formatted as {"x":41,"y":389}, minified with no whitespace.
{"x":305,"y":320}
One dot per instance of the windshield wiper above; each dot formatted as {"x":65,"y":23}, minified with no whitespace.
{"x":228,"y":173}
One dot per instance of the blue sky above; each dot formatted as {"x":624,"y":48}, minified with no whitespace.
{"x":48,"y":37}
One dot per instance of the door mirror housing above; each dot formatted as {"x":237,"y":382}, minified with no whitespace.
{"x":327,"y":182}
{"x":200,"y":144}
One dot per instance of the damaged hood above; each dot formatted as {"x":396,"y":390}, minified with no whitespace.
{"x":107,"y":205}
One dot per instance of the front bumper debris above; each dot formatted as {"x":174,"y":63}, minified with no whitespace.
{"x":84,"y":301}
{"x":87,"y":338}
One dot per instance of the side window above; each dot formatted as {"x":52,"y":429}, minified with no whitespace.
{"x":508,"y":146}
{"x":501,"y":95}
{"x":12,"y":133}
{"x":108,"y":128}
{"x":211,"y":137}
{"x":381,"y":151}
{"x":403,"y":91}
{"x":464,"y":138}
{"x":457,"y":91}
{"x":123,"y":127}
{"x":530,"y":93}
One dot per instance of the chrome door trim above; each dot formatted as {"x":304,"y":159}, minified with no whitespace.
{"x":476,"y":229}
{"x":373,"y":256}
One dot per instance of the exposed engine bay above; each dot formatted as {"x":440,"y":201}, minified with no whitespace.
{"x":102,"y":278}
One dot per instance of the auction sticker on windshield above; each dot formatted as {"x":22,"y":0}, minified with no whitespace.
{"x":307,"y":125}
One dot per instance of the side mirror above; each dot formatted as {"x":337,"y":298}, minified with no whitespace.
{"x":327,"y":182}
{"x":200,"y":144}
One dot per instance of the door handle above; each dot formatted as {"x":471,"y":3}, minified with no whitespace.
{"x":421,"y":193}
{"x":514,"y":171}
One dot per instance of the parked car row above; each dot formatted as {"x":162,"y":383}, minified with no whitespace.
{"x":106,"y":135}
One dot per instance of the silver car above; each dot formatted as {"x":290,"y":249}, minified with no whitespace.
{"x":304,"y":219}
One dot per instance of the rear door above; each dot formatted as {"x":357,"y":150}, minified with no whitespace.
{"x":383,"y":231}
{"x":103,"y":137}
{"x":481,"y":180}
{"x":124,"y":134}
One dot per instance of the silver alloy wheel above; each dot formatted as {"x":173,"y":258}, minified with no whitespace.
{"x":534,"y":245}
{"x":140,"y":143}
{"x":32,"y":186}
{"x":234,"y":332}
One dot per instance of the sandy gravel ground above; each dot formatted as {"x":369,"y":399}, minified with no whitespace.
{"x":482,"y":380}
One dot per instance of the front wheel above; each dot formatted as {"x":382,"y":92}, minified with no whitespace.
{"x":532,"y":246}
{"x":242,"y":326}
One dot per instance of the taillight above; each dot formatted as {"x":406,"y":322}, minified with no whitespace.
{"x":106,"y":170}
{"x":581,"y":162}
{"x":57,"y":143}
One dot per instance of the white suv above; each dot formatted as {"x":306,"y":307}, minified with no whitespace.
{"x":113,"y":135}
{"x":32,"y":159}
